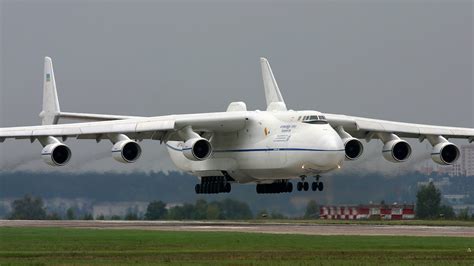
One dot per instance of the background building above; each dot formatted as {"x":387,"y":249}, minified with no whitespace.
{"x":467,"y":160}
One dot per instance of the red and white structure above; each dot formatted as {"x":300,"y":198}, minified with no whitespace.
{"x":362,"y":212}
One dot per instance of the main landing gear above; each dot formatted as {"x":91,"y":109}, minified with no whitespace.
{"x":213,"y":185}
{"x":303,"y":185}
{"x":277,"y":187}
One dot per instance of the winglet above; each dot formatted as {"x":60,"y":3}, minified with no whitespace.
{"x":272,"y":92}
{"x":51,"y":111}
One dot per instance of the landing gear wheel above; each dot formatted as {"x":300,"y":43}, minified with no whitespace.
{"x":197,"y":188}
{"x":299,"y":186}
{"x":289,"y":187}
{"x":314,"y":186}
{"x":305,"y":186}
{"x":320,"y":186}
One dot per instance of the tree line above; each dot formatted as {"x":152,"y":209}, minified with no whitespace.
{"x":32,"y":208}
{"x":428,"y":206}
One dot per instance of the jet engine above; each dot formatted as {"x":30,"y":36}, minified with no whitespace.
{"x":445,"y":153}
{"x":197,"y":149}
{"x":353,"y":148}
{"x":126,"y":151}
{"x":56,"y":154}
{"x":396,"y":151}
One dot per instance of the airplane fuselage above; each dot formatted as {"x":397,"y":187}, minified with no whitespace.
{"x":271,"y":146}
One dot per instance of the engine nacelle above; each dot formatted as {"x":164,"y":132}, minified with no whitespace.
{"x":56,"y":154}
{"x":396,"y":151}
{"x":197,"y":149}
{"x":445,"y":153}
{"x":353,"y":148}
{"x":126,"y":151}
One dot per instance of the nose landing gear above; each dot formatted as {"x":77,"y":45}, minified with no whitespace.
{"x":315,"y":186}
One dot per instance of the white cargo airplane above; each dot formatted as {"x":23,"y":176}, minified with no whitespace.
{"x":268,"y":148}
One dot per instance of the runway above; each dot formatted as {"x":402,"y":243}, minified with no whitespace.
{"x":252,"y":227}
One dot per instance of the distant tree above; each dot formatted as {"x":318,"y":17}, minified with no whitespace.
{"x":88,"y":216}
{"x":312,"y":210}
{"x":131,"y":216}
{"x":213,"y":211}
{"x":277,"y":215}
{"x":70,"y":215}
{"x":184,"y":212}
{"x":464,"y":214}
{"x":225,"y":209}
{"x":115,"y":217}
{"x":28,"y":208}
{"x":428,"y":200}
{"x":447,"y":212}
{"x":200,"y":210}
{"x":100,"y":217}
{"x":156,"y":210}
{"x":234,"y":210}
{"x":53,"y":216}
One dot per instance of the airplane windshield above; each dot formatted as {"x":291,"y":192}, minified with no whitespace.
{"x":314,"y":119}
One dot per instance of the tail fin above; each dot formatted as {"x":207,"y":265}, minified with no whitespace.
{"x":273,"y":96}
{"x":50,"y":113}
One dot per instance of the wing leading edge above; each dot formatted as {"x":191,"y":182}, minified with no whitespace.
{"x":140,"y":128}
{"x":367,"y":128}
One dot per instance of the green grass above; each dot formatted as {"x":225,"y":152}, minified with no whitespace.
{"x":96,"y":246}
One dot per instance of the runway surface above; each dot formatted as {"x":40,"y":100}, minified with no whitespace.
{"x":249,"y":227}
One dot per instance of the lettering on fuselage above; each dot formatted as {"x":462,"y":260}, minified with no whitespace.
{"x":285,"y":133}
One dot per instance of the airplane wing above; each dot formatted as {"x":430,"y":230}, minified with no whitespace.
{"x":100,"y":126}
{"x":157,"y":128}
{"x":367,"y":128}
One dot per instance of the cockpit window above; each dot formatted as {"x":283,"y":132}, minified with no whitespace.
{"x":314,"y":119}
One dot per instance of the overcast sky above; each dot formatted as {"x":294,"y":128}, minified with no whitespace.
{"x":400,"y":60}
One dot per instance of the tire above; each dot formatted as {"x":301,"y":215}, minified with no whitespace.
{"x":289,"y":187}
{"x":314,"y":186}
{"x":305,"y":186}
{"x":321,"y":186}
{"x":299,"y":186}
{"x":197,"y":188}
{"x":227,"y":188}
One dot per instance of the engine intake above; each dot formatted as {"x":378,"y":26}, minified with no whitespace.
{"x":197,"y":149}
{"x":126,"y":151}
{"x":445,"y":153}
{"x":396,"y":151}
{"x":56,"y":154}
{"x":353,"y":148}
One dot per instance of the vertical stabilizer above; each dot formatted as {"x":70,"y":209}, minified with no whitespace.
{"x":50,"y":112}
{"x":273,"y":96}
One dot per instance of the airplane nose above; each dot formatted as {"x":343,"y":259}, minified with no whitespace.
{"x":334,"y":149}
